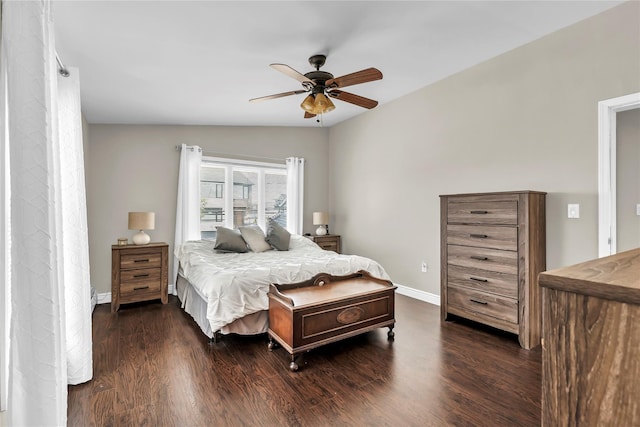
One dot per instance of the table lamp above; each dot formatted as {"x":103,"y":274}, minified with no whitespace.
{"x":141,"y":221}
{"x":321,"y":219}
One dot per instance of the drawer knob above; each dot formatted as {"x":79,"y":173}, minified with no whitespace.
{"x":479,"y":212}
{"x":141,"y":288}
{"x":478,"y":236}
{"x":480,"y":258}
{"x":477,"y":279}
{"x":141,"y":260}
{"x":478,"y":302}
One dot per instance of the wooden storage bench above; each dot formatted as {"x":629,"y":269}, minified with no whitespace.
{"x":326,"y":308}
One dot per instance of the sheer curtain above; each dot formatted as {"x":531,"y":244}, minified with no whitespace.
{"x":43,"y":271}
{"x":188,"y":203}
{"x":295,"y":194}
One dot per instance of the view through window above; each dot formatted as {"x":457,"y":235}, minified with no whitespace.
{"x":241,"y":193}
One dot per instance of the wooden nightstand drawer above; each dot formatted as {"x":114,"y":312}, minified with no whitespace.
{"x":330,"y":242}
{"x":139,"y":273}
{"x":143,"y":260}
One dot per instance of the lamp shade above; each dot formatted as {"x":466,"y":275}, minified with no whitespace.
{"x":320,"y":218}
{"x":142,"y":220}
{"x":322,"y":104}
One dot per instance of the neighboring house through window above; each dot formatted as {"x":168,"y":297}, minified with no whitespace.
{"x":235,"y":193}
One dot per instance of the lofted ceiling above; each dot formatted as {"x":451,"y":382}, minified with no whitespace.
{"x":199,"y":62}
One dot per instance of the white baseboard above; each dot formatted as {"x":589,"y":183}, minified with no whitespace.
{"x":418,"y":294}
{"x":105,"y":298}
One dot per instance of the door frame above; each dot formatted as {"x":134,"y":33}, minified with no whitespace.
{"x":607,"y":111}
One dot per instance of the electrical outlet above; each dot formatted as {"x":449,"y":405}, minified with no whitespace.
{"x":424,"y":267}
{"x":573,"y":211}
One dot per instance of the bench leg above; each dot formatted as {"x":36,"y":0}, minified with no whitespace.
{"x":293,"y":366}
{"x":391,"y":334}
{"x":272,"y":344}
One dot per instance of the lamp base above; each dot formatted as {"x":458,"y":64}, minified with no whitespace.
{"x":321,"y":231}
{"x":141,"y":238}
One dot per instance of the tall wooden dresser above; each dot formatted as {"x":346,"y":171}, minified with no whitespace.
{"x":493,"y":246}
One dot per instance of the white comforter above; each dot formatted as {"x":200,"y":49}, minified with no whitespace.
{"x":236,"y":285}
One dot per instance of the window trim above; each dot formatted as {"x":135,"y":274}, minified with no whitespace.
{"x":238,"y":165}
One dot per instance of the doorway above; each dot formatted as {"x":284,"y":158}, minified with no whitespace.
{"x":607,"y":138}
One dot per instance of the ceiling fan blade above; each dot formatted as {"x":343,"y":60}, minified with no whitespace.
{"x":283,"y":68}
{"x":277,"y":95}
{"x":358,"y":100}
{"x":363,"y":76}
{"x":308,"y":115}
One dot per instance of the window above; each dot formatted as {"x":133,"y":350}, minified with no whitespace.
{"x":234,"y":193}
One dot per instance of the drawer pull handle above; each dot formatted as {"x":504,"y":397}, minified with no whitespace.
{"x":478,"y":236}
{"x":478,"y":302}
{"x":478,"y":279}
{"x":480,"y":258}
{"x":479,"y":212}
{"x":141,"y":288}
{"x":141,"y":260}
{"x":141,"y":275}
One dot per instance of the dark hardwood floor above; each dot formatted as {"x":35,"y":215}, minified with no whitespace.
{"x":153,"y":366}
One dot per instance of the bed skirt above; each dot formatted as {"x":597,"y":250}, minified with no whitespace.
{"x":196,"y":306}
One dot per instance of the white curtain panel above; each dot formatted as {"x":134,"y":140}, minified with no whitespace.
{"x":188,"y":203}
{"x":75,"y":246}
{"x":295,"y":194}
{"x":43,"y":269}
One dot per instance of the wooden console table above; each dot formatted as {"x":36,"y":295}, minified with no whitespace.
{"x":591,"y":342}
{"x":326,"y":308}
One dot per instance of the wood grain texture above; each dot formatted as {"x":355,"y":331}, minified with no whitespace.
{"x":494,"y":245}
{"x":591,"y":352}
{"x":433,"y":374}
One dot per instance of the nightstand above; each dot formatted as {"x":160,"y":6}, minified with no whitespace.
{"x":139,"y":273}
{"x":329,"y":242}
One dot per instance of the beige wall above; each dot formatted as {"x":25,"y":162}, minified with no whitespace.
{"x":135,"y":168}
{"x":628,"y":179}
{"x":526,"y":120}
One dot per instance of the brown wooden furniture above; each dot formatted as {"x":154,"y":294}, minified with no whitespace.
{"x":326,"y":308}
{"x":591,"y":342}
{"x":492,"y":248}
{"x":139,"y":273}
{"x":329,"y":242}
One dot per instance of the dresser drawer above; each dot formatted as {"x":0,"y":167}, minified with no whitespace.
{"x":483,"y":259}
{"x":484,"y":303}
{"x":141,"y":274}
{"x":140,"y":260}
{"x":503,"y":284}
{"x":478,"y":212}
{"x":486,"y":236}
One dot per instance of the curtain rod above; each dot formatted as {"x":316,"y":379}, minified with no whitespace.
{"x":224,"y":155}
{"x":61,"y":68}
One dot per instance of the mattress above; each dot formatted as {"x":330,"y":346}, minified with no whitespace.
{"x":235,"y":285}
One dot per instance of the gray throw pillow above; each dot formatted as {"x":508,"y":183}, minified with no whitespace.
{"x":229,"y":240}
{"x":278,"y":236}
{"x":253,"y":235}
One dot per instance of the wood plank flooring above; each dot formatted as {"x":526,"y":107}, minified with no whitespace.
{"x":154,"y":367}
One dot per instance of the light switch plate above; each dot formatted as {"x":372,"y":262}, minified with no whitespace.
{"x":638,"y":209}
{"x":573,"y":211}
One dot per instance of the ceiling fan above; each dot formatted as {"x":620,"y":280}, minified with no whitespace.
{"x":323,"y":86}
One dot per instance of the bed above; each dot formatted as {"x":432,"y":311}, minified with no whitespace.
{"x":226,"y":292}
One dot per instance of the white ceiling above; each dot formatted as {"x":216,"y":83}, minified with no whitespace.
{"x":199,"y":62}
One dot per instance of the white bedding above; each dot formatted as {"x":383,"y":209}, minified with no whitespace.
{"x":235,"y":285}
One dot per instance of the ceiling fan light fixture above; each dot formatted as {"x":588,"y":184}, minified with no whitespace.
{"x":308,"y":104}
{"x":322,"y":104}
